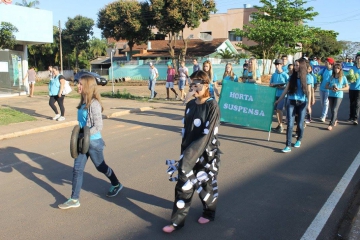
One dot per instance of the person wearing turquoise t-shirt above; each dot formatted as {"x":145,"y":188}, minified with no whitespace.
{"x":336,"y":85}
{"x":285,"y":66}
{"x":229,"y":74}
{"x":312,"y":100}
{"x":354,"y":92}
{"x":279,"y":80}
{"x":298,"y":91}
{"x":324,"y":93}
{"x":252,"y":74}
{"x":213,"y":88}
{"x":90,"y":115}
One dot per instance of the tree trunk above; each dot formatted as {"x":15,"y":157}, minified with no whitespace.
{"x":184,"y":49}
{"x":171,"y":45}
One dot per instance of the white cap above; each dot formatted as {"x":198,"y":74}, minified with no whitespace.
{"x":150,"y":63}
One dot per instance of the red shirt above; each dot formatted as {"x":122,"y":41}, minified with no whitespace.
{"x":170,"y":75}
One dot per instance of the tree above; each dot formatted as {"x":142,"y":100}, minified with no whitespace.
{"x":278,"y":27}
{"x":172,"y":16}
{"x":76,"y":35}
{"x":125,"y":19}
{"x":225,"y":54}
{"x":43,"y":55}
{"x":323,"y":44}
{"x":349,"y":48}
{"x":7,"y":37}
{"x":97,"y":47}
{"x":30,"y":4}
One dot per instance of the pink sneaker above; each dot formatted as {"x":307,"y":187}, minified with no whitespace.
{"x":203,"y":220}
{"x":168,"y":229}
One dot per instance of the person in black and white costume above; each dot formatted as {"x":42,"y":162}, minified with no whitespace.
{"x":200,"y":155}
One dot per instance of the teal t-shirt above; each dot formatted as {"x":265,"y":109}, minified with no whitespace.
{"x":228,"y":78}
{"x":82,"y":119}
{"x":249,"y":74}
{"x":335,"y":81}
{"x":326,"y":74}
{"x":355,"y":85}
{"x":211,"y":86}
{"x":299,"y":94}
{"x":285,"y":68}
{"x":277,"y":78}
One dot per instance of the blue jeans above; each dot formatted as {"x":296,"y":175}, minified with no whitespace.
{"x":97,"y":157}
{"x":324,"y":103}
{"x":152,"y":88}
{"x":291,"y":109}
{"x":334,"y":104}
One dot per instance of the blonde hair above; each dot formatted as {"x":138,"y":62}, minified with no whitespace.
{"x":210,"y":72}
{"x":89,"y":91}
{"x":253,"y":68}
{"x":231,"y":74}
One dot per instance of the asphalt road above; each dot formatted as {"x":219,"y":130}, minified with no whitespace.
{"x":264,"y":193}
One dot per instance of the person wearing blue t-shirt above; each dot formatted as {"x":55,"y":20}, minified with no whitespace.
{"x":313,"y":62}
{"x":325,"y":74}
{"x":285,"y":65}
{"x":229,"y":74}
{"x":279,"y":80}
{"x":354,"y":92}
{"x":207,"y":67}
{"x":252,"y":74}
{"x":312,"y":100}
{"x":298,"y":91}
{"x":336,"y":85}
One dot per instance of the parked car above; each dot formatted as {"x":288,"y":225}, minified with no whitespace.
{"x":99,"y":80}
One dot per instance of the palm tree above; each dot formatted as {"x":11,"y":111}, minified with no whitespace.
{"x":30,"y":4}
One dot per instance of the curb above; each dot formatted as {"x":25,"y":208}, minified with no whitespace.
{"x":38,"y":129}
{"x":69,"y":124}
{"x":125,"y":112}
{"x":355,"y":227}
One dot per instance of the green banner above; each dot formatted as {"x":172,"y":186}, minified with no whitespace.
{"x":247,"y":104}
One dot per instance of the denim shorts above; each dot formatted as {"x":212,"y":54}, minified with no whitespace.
{"x":280,"y":105}
{"x":181,"y":84}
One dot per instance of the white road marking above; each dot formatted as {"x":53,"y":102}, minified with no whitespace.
{"x":323,"y":215}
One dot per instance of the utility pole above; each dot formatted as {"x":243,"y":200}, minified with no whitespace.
{"x":61,"y":60}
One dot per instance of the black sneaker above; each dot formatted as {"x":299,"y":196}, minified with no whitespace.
{"x":278,"y":129}
{"x":350,"y":120}
{"x":114,"y":190}
{"x":155,"y":95}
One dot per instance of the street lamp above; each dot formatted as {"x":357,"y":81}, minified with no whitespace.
{"x":112,"y":69}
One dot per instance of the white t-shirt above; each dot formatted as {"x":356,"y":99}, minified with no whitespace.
{"x":183,"y":72}
{"x":152,"y":73}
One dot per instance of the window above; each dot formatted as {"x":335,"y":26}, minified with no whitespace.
{"x":204,"y":35}
{"x":233,"y":37}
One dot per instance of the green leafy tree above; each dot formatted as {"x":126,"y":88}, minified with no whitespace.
{"x":323,"y":44}
{"x":43,"y":55}
{"x":125,"y":19}
{"x":97,"y":47}
{"x":172,"y":16}
{"x":76,"y":35}
{"x":7,"y":37}
{"x":278,"y":27}
{"x":225,"y":54}
{"x":30,"y":4}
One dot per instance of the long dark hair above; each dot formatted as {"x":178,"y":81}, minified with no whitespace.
{"x":301,"y":73}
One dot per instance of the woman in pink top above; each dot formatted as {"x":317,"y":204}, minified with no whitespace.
{"x":31,"y":75}
{"x":170,"y":82}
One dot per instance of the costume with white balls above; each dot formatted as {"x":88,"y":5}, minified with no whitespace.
{"x":199,"y":161}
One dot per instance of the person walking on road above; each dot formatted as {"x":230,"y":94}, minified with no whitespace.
{"x":153,"y":75}
{"x":196,"y":66}
{"x":200,"y":156}
{"x":183,"y":77}
{"x":279,"y":80}
{"x":31,"y":75}
{"x":90,"y":114}
{"x":56,"y":87}
{"x":354,"y":92}
{"x":337,"y":84}
{"x":325,"y":74}
{"x":298,"y":91}
{"x":170,"y":82}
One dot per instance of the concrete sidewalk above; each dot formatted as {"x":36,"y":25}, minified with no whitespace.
{"x":39,"y":108}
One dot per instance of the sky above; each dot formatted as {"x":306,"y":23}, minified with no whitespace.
{"x":333,"y":14}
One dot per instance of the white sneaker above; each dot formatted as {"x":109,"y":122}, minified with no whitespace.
{"x":56,"y":116}
{"x":60,"y":119}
